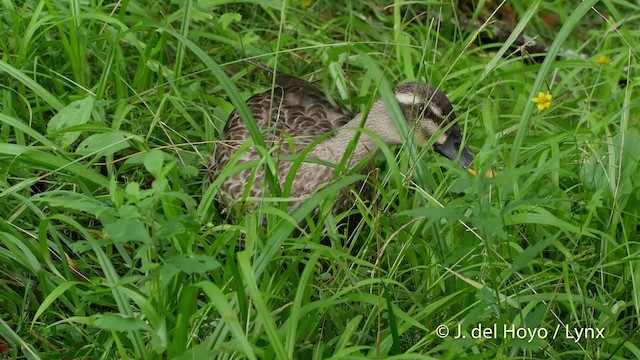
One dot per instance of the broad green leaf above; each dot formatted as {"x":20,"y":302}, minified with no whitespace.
{"x":78,"y":202}
{"x":103,"y":144}
{"x":227,"y":18}
{"x":117,"y":322}
{"x":127,"y":230}
{"x":193,"y":264}
{"x":76,"y":113}
{"x":178,"y":225}
{"x":153,"y":162}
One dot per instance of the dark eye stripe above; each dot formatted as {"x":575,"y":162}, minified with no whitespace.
{"x":425,"y":111}
{"x":433,"y":116}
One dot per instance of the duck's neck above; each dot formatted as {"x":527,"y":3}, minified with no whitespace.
{"x":378,"y":121}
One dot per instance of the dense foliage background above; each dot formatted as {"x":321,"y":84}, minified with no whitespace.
{"x":112,"y":247}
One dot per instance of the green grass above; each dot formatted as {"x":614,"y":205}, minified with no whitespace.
{"x":111,"y":245}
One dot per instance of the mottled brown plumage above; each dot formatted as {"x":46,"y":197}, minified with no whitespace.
{"x":295,"y":114}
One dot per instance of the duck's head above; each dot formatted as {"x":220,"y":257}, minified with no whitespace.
{"x":430,"y":112}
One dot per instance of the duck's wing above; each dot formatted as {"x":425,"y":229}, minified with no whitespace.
{"x":294,"y":92}
{"x":285,"y":80}
{"x":291,"y":116}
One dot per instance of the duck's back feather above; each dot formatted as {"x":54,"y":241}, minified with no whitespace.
{"x":291,"y":116}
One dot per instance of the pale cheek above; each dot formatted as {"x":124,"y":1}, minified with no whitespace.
{"x":419,"y":139}
{"x":442,"y":139}
{"x":406,"y":99}
{"x":430,"y":128}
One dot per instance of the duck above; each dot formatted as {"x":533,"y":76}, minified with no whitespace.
{"x":295,"y":115}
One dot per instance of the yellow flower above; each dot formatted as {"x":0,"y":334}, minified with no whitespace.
{"x":603,"y":60}
{"x":305,"y":4}
{"x":543,"y":100}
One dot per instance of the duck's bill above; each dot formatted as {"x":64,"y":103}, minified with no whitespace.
{"x":489,"y":174}
{"x":451,"y":149}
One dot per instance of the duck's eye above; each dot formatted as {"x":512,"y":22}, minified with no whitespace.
{"x":424,"y":111}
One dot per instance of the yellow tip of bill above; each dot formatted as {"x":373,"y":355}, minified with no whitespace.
{"x":490,"y":173}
